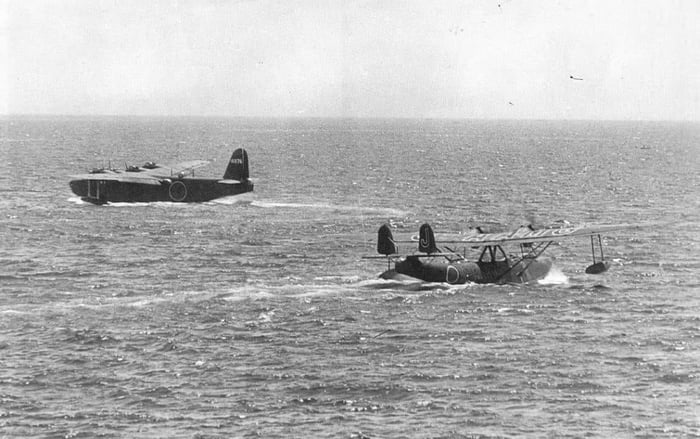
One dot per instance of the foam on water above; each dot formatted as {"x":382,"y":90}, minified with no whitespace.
{"x":242,"y":199}
{"x":554,"y":277}
{"x":327,"y":206}
{"x":77,"y":200}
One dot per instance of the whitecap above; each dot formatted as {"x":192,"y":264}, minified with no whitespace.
{"x":554,"y":277}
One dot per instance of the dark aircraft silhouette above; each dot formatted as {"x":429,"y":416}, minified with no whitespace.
{"x":152,"y":182}
{"x":432,"y":264}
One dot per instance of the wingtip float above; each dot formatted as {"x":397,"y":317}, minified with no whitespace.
{"x":494,"y":265}
{"x":152,"y":182}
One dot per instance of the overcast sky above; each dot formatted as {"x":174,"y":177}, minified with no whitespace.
{"x":630,"y":60}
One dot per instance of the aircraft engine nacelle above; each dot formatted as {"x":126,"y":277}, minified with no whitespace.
{"x":439,"y":271}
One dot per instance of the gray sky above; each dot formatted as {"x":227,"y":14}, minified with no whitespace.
{"x":637,"y":60}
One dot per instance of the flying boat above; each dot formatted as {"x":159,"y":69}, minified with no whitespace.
{"x":448,"y":263}
{"x":153,"y":182}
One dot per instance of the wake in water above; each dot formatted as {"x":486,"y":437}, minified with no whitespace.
{"x":77,"y":200}
{"x":406,"y":283}
{"x":241,"y":200}
{"x":554,"y":277}
{"x":248,"y":200}
{"x":328,"y":206}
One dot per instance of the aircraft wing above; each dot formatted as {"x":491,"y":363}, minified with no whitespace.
{"x":135,"y":177}
{"x":527,"y":235}
{"x":168,"y":171}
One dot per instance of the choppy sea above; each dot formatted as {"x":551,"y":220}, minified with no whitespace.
{"x":255,"y":316}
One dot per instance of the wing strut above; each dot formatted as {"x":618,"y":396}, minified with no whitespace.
{"x":600,"y":246}
{"x":600,"y":265}
{"x":532,"y":255}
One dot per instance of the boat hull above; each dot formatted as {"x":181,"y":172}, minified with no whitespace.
{"x":184,"y":190}
{"x":461,"y":272}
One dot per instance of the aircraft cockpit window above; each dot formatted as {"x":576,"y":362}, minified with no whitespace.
{"x":150,"y":165}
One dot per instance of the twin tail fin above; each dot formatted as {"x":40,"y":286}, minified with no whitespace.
{"x":385,"y":241}
{"x":387,"y":246}
{"x":426,"y":241}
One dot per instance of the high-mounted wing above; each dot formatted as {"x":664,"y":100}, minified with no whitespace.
{"x":170,"y":171}
{"x":124,"y":177}
{"x":527,"y":235}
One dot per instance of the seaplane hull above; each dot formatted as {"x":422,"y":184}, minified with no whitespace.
{"x":493,"y":265}
{"x":161,"y":183}
{"x":462,"y":272}
{"x":179,"y":190}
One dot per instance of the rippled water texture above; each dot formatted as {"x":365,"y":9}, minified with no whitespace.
{"x":255,"y":316}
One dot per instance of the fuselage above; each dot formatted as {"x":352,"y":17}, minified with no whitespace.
{"x":437,"y":269}
{"x":152,"y":182}
{"x":185,"y":189}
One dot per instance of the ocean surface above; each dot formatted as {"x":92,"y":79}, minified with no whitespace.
{"x":256,"y":316}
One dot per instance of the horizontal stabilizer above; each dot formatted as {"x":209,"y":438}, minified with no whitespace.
{"x":229,"y":182}
{"x":414,"y":256}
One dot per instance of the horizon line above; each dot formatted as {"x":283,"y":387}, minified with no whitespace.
{"x":291,"y":117}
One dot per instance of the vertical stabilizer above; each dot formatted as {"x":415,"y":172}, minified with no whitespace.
{"x":385,"y":241}
{"x":238,"y":166}
{"x":426,"y":242}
